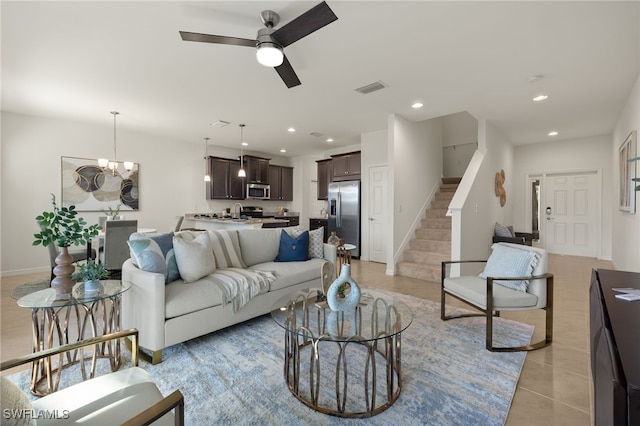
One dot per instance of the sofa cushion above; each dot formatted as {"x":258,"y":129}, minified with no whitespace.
{"x":259,"y":245}
{"x":181,"y":298}
{"x":292,"y":273}
{"x":508,"y":261}
{"x":154,"y":253}
{"x":474,"y":289}
{"x":195,"y":258}
{"x":316,"y":240}
{"x":293,"y":249}
{"x":226,"y":249}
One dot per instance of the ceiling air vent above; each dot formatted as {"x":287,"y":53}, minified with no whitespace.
{"x":378,"y":85}
{"x":219,"y":123}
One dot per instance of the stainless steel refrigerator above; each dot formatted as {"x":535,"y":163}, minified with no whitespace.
{"x":344,"y":212}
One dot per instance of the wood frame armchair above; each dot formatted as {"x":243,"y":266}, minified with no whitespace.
{"x":128,"y":396}
{"x":491,"y":298}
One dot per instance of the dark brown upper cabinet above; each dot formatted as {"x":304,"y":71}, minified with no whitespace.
{"x":225,"y":183}
{"x":257,"y":169}
{"x":281,"y":182}
{"x":346,"y":166}
{"x":325,"y":172}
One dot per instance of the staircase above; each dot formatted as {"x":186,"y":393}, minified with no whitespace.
{"x":432,"y":244}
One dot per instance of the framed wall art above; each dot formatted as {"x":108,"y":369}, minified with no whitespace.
{"x":91,"y":188}
{"x":627,"y":155}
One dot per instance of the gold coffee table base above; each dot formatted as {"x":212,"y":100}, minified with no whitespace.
{"x":377,"y":360}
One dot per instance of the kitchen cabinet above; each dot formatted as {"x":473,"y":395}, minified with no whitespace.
{"x":325,"y":172}
{"x":320,"y":223}
{"x":257,"y":169}
{"x":346,"y":166}
{"x":281,"y":182}
{"x":225,"y":183}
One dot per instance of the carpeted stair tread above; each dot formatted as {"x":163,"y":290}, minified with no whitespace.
{"x":419,"y":271}
{"x":432,"y":242}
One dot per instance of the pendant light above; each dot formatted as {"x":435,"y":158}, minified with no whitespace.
{"x":207,"y":178}
{"x":113,"y":164}
{"x":241,"y":172}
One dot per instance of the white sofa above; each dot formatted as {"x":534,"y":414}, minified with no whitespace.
{"x":171,"y":313}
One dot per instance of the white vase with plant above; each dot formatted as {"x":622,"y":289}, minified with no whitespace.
{"x":90,"y":272}
{"x":63,"y":227}
{"x":113,"y":213}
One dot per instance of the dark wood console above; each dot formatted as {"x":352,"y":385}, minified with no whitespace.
{"x":615,"y":348}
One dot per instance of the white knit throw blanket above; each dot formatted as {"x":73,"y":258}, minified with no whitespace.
{"x":239,"y":286}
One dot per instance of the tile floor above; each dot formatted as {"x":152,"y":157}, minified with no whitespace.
{"x":555,"y":386}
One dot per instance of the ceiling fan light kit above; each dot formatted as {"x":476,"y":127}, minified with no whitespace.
{"x":270,"y":42}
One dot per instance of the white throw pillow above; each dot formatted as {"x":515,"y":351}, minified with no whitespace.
{"x":506,"y":261}
{"x":14,"y":399}
{"x":195,"y":258}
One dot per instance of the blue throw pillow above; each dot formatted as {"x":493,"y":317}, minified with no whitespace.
{"x":293,"y":249}
{"x":506,"y":261}
{"x":154,"y":253}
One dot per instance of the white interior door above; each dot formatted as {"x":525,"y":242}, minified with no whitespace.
{"x":571,"y":213}
{"x":377,"y":214}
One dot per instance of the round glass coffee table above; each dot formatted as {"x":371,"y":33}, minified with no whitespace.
{"x":343,"y":363}
{"x":60,"y":321}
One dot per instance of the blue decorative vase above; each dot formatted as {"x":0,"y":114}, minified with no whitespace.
{"x":351,"y":296}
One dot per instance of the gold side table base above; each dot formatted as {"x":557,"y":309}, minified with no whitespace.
{"x":52,"y":327}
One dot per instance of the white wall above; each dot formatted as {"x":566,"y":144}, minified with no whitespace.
{"x":460,"y":141}
{"x":171,"y":178}
{"x":625,"y":234}
{"x":476,"y":208}
{"x":593,"y":153}
{"x":415,"y":149}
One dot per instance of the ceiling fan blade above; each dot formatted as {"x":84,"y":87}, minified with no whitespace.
{"x":287,"y":74}
{"x":209,"y":38}
{"x":310,"y":21}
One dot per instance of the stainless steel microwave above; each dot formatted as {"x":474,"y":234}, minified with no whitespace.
{"x":258,"y":191}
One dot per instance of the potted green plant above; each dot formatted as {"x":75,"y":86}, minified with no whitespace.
{"x":90,"y":272}
{"x":63,"y":227}
{"x":112,"y":212}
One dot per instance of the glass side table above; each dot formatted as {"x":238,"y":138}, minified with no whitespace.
{"x":345,"y":363}
{"x":84,"y":315}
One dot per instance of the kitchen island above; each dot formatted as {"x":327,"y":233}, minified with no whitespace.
{"x":211,"y":222}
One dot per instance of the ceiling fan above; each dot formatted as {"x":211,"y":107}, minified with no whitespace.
{"x":270,"y":41}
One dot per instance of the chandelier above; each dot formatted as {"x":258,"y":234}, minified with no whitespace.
{"x":113,"y":164}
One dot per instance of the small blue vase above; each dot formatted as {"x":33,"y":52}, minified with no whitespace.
{"x":351,"y":299}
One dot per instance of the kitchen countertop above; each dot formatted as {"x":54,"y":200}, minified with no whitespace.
{"x":249,"y":221}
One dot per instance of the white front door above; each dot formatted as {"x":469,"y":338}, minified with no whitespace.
{"x":570,"y":214}
{"x":377,"y":218}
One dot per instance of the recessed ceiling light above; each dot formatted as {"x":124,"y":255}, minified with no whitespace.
{"x":330,"y":140}
{"x":417,"y":105}
{"x":291,"y":130}
{"x":540,"y":97}
{"x":283,"y":150}
{"x":244,"y":144}
{"x":553,"y":133}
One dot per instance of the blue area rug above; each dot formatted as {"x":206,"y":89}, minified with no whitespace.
{"x":235,"y":376}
